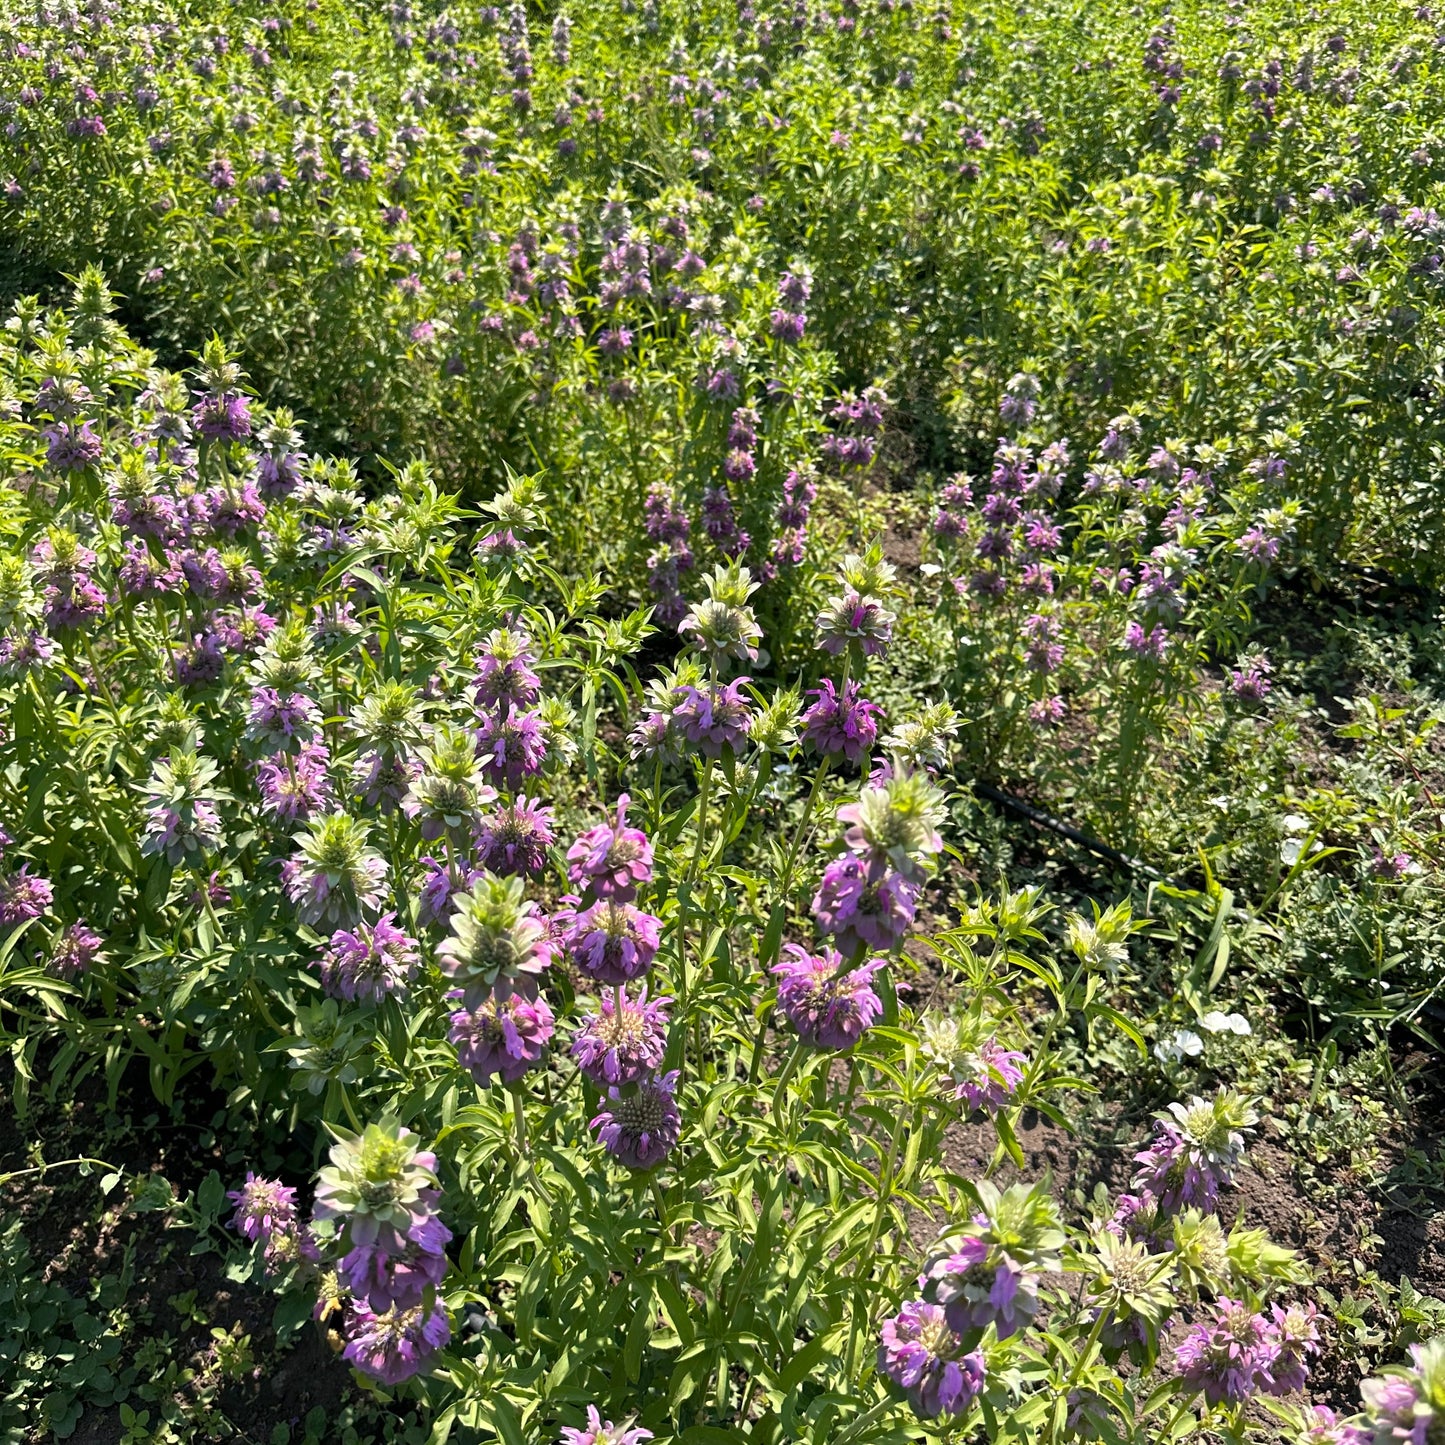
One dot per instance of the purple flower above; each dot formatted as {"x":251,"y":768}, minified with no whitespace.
{"x":516,"y":745}
{"x":830,"y":1005}
{"x":516,"y":837}
{"x":263,"y":1207}
{"x":712,"y":721}
{"x":371,"y":961}
{"x":864,"y":904}
{"x":504,"y":671}
{"x":624,"y":1042}
{"x":641,"y":1125}
{"x":611,"y":942}
{"x":611,"y":860}
{"x":71,"y":446}
{"x":1149,"y":646}
{"x":394,"y":1346}
{"x":223,"y":416}
{"x":603,"y":1432}
{"x":1229,"y":1356}
{"x":389,"y":1277}
{"x":996,"y":1077}
{"x":1295,"y":1337}
{"x":1250,"y":682}
{"x":72,"y":600}
{"x":1193,"y":1152}
{"x":75,"y":950}
{"x":978,"y":1287}
{"x":438,"y":886}
{"x":293,"y":788}
{"x":1043,"y":652}
{"x":281,"y":720}
{"x":23,"y":897}
{"x":142,"y":575}
{"x":923,"y":1356}
{"x":501,"y":1037}
{"x":846,"y":723}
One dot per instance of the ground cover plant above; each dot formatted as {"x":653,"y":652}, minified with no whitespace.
{"x":720,"y":723}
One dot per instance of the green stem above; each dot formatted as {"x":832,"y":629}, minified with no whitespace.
{"x":59,"y":1164}
{"x":780,"y":1088}
{"x":870,"y":1417}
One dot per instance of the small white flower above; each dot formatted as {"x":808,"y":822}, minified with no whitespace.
{"x":1217,"y":1022}
{"x":1184,"y":1043}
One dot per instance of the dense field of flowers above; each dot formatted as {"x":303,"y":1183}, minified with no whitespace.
{"x":747,"y":690}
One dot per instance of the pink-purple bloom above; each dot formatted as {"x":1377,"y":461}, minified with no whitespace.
{"x":1228,"y":1355}
{"x":996,"y":1077}
{"x":625,"y":1041}
{"x":396,"y":1344}
{"x":515,"y":744}
{"x":717,"y":719}
{"x":603,"y":1432}
{"x":502,"y":1038}
{"x":292,"y":788}
{"x":371,"y":961}
{"x":829,"y":1004}
{"x":516,"y":837}
{"x":75,"y":950}
{"x":263,"y":1206}
{"x":864,"y":903}
{"x":611,"y":860}
{"x":845,"y":722}
{"x":23,"y":896}
{"x":640,"y":1126}
{"x":924,"y":1357}
{"x":611,"y":942}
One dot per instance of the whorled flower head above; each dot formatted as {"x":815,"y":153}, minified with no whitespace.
{"x":334,"y":876}
{"x":281,"y":720}
{"x":625,"y":1041}
{"x":502,"y":1038}
{"x":843,"y":723}
{"x":371,"y":961}
{"x":515,"y":743}
{"x":263,"y":1206}
{"x":504,"y":670}
{"x":295,"y":787}
{"x":603,"y":1432}
{"x":852,"y":619}
{"x":515,"y":838}
{"x":181,"y":817}
{"x":896,"y":823}
{"x":448,"y":795}
{"x":640,"y":1125}
{"x":378,"y":1187}
{"x":864,"y":904}
{"x":1134,"y":1286}
{"x":1296,"y":1337}
{"x":830,"y":1005}
{"x":989,"y":1274}
{"x":388,"y":719}
{"x":74,"y":951}
{"x":396,"y":1344}
{"x":611,"y":860}
{"x":499,"y":941}
{"x":1195,"y":1149}
{"x":611,"y":942}
{"x":1407,"y":1404}
{"x":987,"y":1078}
{"x":387,"y":1277}
{"x":711,"y":720}
{"x":723,"y":625}
{"x":23,"y":896}
{"x":924,"y":1357}
{"x":1228,"y":1355}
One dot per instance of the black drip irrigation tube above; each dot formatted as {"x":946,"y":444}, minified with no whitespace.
{"x":1066,"y":830}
